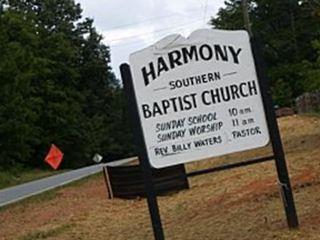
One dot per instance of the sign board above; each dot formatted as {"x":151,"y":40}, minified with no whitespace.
{"x":97,"y":158}
{"x":198,"y":97}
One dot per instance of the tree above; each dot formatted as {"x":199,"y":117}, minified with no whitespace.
{"x":286,"y":30}
{"x":312,"y":71}
{"x":56,"y":85}
{"x":18,"y":110}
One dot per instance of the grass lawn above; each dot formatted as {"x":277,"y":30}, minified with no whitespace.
{"x":239,"y":204}
{"x":12,"y":177}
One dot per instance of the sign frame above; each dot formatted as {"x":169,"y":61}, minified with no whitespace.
{"x":198,"y":97}
{"x":274,"y":134}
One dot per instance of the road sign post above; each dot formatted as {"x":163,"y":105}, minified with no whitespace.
{"x":141,"y":148}
{"x":277,"y":147}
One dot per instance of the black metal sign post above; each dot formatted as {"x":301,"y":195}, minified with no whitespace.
{"x":282,"y":171}
{"x":273,"y":129}
{"x":142,"y":152}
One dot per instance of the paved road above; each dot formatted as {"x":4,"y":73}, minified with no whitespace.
{"x":16,"y":193}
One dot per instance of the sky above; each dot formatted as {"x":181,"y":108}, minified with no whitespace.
{"x":130,"y":25}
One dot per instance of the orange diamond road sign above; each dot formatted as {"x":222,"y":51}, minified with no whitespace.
{"x":54,"y":157}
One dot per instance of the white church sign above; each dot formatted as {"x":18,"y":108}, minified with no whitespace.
{"x":198,"y":97}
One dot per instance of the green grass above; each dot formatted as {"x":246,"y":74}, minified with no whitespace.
{"x":19,"y":175}
{"x":315,"y":113}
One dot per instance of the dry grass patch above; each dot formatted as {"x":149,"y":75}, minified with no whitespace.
{"x":243,"y":203}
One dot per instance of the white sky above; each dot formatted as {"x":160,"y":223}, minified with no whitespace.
{"x":128,"y":26}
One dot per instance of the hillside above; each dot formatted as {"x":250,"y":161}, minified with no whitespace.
{"x":238,"y":204}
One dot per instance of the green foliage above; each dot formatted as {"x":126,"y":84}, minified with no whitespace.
{"x":286,"y":29}
{"x":312,"y":81}
{"x":282,"y":93}
{"x":56,"y":86}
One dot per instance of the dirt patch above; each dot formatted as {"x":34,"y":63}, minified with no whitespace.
{"x":243,"y":203}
